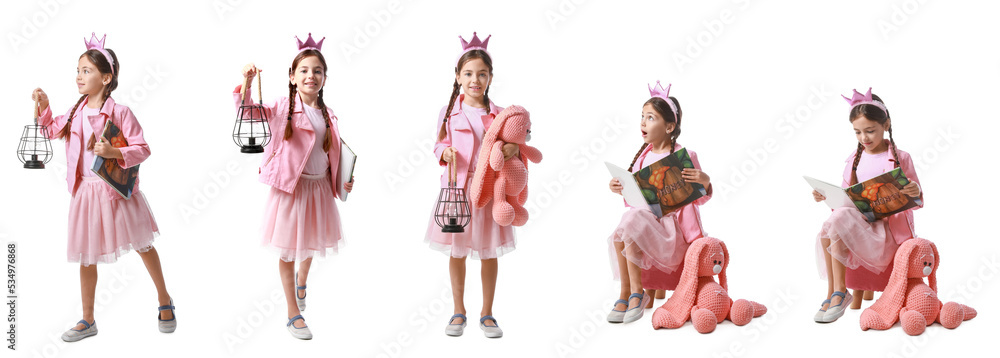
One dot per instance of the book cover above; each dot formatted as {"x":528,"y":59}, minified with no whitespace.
{"x":659,"y":186}
{"x":120,"y":179}
{"x":345,"y":169}
{"x":881,"y":196}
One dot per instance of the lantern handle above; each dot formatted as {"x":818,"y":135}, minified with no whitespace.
{"x":37,"y":111}
{"x":260,"y":93}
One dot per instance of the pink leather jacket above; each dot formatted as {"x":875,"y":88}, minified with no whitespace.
{"x":461,"y":137}
{"x":136,"y":152}
{"x":284,"y":160}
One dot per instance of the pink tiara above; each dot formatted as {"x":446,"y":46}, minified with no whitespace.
{"x":310,"y":44}
{"x":95,"y":44}
{"x":858,"y":99}
{"x":659,"y":91}
{"x":475,"y":44}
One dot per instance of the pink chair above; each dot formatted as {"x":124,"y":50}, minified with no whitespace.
{"x":865,"y":283}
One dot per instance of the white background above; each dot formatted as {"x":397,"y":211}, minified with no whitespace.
{"x":581,"y":68}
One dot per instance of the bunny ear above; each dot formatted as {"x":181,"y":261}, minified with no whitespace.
{"x":888,"y":305}
{"x":687,"y":288}
{"x":725,"y":265}
{"x":494,"y":131}
{"x":932,"y":279}
{"x":482,"y":178}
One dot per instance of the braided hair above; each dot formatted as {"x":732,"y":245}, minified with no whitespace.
{"x":293,"y":90}
{"x":874,"y":114}
{"x":663,"y":109}
{"x":468,"y":56}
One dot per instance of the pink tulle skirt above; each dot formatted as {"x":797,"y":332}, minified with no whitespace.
{"x":101,"y":230}
{"x":305,"y":223}
{"x":855,"y":242}
{"x":650,"y":243}
{"x":483,"y":238}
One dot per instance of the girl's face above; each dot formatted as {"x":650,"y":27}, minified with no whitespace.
{"x":89,"y":80}
{"x":870,"y":133}
{"x":309,"y":77}
{"x":475,"y":78}
{"x":655,"y":130}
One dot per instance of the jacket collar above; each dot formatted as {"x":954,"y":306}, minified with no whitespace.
{"x":107,"y":109}
{"x":303,"y":121}
{"x":457,"y":107}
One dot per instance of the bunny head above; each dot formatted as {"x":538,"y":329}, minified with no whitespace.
{"x":713,"y":259}
{"x":515,"y":126}
{"x":921,"y":260}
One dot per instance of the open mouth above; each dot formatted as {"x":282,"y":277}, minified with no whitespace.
{"x":644,"y":133}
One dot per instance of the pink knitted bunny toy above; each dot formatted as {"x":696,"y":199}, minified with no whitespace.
{"x":699,"y":297}
{"x":908,"y":299}
{"x":508,"y":179}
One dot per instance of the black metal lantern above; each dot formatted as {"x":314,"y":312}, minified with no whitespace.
{"x":251,"y":131}
{"x":35,"y":149}
{"x":452,"y":212}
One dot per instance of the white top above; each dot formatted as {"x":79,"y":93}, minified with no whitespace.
{"x":872,"y":165}
{"x":475,"y":116}
{"x":88,"y":130}
{"x":319,"y":161}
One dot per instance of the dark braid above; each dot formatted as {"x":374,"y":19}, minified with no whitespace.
{"x":854,"y":168}
{"x":64,"y":133}
{"x":291,"y":108}
{"x":677,"y":128}
{"x":328,"y":140}
{"x":447,"y":113}
{"x":642,"y":148}
{"x":486,"y":99}
{"x":892,"y":143}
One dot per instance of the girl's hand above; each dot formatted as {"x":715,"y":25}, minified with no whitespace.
{"x":249,"y":71}
{"x":616,"y":186}
{"x":349,"y":185}
{"x":695,"y":176}
{"x":43,"y":99}
{"x":448,"y":155}
{"x":818,"y":197}
{"x":911,"y":189}
{"x":105,"y":150}
{"x":510,"y":150}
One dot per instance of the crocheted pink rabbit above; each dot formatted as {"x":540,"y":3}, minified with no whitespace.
{"x":508,"y":179}
{"x":911,"y":301}
{"x":699,"y":297}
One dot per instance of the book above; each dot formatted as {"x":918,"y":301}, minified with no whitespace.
{"x":659,"y":186}
{"x":120,"y":179}
{"x":875,"y":198}
{"x":345,"y":169}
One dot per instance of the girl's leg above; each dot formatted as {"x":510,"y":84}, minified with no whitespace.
{"x":835,"y":273}
{"x":489,"y":277}
{"x":652,"y":294}
{"x":303,"y":276}
{"x":623,"y":276}
{"x":634,"y":275}
{"x":152,"y":261}
{"x":287,"y":272}
{"x":456,"y":267}
{"x":88,"y":290}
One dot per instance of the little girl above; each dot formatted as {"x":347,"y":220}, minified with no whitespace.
{"x":642,"y":245}
{"x":102,"y":225}
{"x":847,"y":239}
{"x":460,"y":129}
{"x":300,"y":217}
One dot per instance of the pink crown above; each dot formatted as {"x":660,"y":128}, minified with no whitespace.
{"x":858,"y":99}
{"x":659,"y":91}
{"x":310,"y":44}
{"x":95,"y":44}
{"x":475,"y":44}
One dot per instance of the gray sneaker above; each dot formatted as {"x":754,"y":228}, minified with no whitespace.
{"x":455,"y":329}
{"x":617,"y":316}
{"x":300,"y":333}
{"x":73,"y":335}
{"x":490,"y":331}
{"x":169,"y":325}
{"x":634,"y":314}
